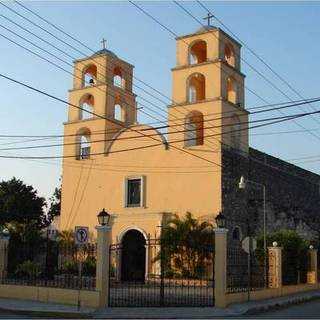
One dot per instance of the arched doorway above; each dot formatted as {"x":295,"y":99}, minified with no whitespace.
{"x":133,"y":257}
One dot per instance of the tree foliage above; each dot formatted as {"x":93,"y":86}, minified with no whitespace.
{"x":55,"y":204}
{"x":186,"y":246}
{"x":294,"y":254}
{"x":20,"y":204}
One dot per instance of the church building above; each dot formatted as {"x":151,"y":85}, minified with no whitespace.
{"x":143,"y":174}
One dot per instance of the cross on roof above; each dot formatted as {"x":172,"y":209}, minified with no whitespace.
{"x":103,"y":42}
{"x":208,"y":18}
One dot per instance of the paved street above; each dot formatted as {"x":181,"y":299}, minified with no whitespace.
{"x":308,"y":310}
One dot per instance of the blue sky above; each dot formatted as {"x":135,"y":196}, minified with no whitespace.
{"x":285,"y":34}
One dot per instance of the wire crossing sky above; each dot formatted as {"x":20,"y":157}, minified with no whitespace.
{"x":284,"y":34}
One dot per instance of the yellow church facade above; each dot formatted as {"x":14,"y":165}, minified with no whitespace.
{"x":142,"y":174}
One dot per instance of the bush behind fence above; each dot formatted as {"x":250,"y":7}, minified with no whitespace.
{"x":50,"y":263}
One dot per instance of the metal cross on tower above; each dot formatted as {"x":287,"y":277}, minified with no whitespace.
{"x":208,"y":18}
{"x":103,"y":42}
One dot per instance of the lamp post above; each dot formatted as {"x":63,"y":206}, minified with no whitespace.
{"x":103,"y":257}
{"x":242,"y":185}
{"x":221,"y":221}
{"x":103,"y":218}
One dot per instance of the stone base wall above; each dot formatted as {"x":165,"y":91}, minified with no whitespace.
{"x":55,"y":295}
{"x":270,"y":293}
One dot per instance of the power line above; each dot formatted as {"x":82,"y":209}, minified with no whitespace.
{"x":176,"y":35}
{"x":69,"y":64}
{"x":253,"y":52}
{"x":69,"y":72}
{"x":37,"y":15}
{"x":171,"y":144}
{"x":156,"y":134}
{"x":129,"y":128}
{"x":263,"y":76}
{"x":86,"y":46}
{"x":73,"y":58}
{"x":214,"y":135}
{"x":98,"y":132}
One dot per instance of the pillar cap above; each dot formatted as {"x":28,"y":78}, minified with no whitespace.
{"x":275,"y":248}
{"x":103,"y":228}
{"x":220,"y":230}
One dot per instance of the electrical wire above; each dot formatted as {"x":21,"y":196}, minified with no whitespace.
{"x":253,"y":52}
{"x":253,"y":68}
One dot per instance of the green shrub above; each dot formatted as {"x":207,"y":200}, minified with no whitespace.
{"x":294,"y":254}
{"x":28,"y":269}
{"x":70,"y":267}
{"x":89,"y":267}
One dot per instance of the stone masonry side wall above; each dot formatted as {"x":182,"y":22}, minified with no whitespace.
{"x":292,"y":193}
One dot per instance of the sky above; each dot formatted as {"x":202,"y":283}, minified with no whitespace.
{"x":284,"y":34}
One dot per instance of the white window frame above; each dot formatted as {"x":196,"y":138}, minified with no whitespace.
{"x":142,"y":191}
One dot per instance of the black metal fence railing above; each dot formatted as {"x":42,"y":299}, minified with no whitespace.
{"x":51,"y":264}
{"x":295,"y":266}
{"x":184,"y":278}
{"x":244,"y":272}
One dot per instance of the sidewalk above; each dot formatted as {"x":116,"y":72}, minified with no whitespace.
{"x":40,"y":309}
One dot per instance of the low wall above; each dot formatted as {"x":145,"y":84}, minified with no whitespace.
{"x":270,"y":293}
{"x":55,"y":295}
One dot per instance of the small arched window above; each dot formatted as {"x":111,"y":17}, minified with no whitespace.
{"x":229,"y":54}
{"x":87,"y":105}
{"x":236,"y":234}
{"x":232,"y":90}
{"x":118,"y":80}
{"x":89,"y":75}
{"x":83,"y":144}
{"x":235,"y":132}
{"x":198,"y":52}
{"x":194,"y":129}
{"x":119,"y":113}
{"x":196,"y":88}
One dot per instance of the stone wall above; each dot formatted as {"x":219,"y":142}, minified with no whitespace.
{"x":292,"y":193}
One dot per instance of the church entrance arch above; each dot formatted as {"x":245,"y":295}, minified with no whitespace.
{"x":133,"y":257}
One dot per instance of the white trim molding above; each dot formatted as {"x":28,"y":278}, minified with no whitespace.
{"x":142,"y":204}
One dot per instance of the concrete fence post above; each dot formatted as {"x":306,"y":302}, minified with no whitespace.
{"x":275,"y":267}
{"x":220,"y":267}
{"x":102,"y":271}
{"x":4,"y":246}
{"x":312,"y":276}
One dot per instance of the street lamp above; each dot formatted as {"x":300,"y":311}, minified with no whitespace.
{"x":103,"y":217}
{"x":242,"y":185}
{"x":221,"y":221}
{"x":5,"y":234}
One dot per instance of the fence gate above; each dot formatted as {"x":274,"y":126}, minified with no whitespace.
{"x":142,"y":274}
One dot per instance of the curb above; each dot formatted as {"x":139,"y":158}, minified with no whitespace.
{"x":279,"y":305}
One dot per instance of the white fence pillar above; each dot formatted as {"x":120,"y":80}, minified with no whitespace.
{"x":275,"y":267}
{"x":102,"y":271}
{"x":220,"y":267}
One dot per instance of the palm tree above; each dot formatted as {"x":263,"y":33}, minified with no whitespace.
{"x":66,"y":238}
{"x":186,"y":246}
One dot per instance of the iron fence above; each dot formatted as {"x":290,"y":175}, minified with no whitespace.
{"x":181,"y":279}
{"x":245,"y":272}
{"x":51,"y":264}
{"x":295,"y":266}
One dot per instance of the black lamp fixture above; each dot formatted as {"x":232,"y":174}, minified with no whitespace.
{"x":221,"y":221}
{"x":5,"y":233}
{"x":103,"y":217}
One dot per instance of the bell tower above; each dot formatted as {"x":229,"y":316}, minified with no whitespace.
{"x":208,"y":92}
{"x":102,"y":84}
